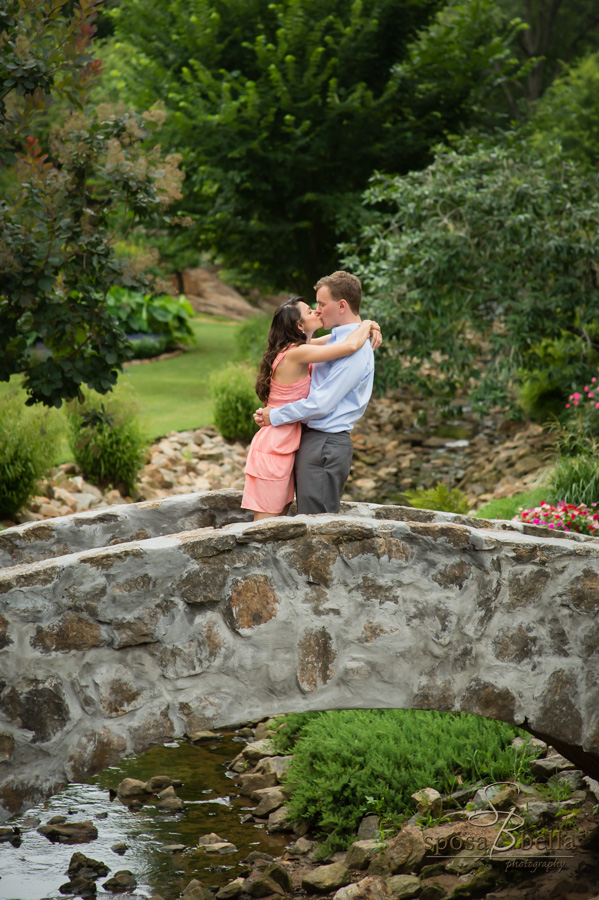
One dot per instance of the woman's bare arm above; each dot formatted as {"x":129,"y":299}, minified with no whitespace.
{"x":311,"y":353}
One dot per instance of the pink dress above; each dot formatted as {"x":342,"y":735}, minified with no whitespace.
{"x":269,"y":482}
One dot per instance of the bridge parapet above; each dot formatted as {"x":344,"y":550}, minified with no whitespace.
{"x":107,"y":651}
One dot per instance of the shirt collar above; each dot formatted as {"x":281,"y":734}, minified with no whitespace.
{"x":341,"y":331}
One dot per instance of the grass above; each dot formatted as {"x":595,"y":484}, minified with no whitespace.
{"x":173,"y":394}
{"x":507,"y":507}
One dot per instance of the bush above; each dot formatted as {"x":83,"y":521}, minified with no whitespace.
{"x":440,"y":498}
{"x":352,"y":762}
{"x":107,"y":441}
{"x":160,"y":316}
{"x":234,"y":402}
{"x":28,"y":444}
{"x":251,"y":338}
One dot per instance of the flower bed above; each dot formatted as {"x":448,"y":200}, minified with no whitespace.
{"x":562,"y":517}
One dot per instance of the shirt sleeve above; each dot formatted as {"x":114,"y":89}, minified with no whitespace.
{"x":344,"y":375}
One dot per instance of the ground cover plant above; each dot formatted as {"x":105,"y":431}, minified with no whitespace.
{"x":153,"y":323}
{"x":351,"y":762}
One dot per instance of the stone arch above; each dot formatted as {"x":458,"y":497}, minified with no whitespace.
{"x":195,"y":618}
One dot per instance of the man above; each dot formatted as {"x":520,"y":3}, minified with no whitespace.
{"x":339,"y":394}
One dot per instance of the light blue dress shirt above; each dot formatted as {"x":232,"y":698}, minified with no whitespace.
{"x":339,"y":390}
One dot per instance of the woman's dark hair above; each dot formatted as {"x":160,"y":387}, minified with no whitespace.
{"x":284,"y":331}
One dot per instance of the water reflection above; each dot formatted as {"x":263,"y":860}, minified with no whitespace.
{"x":37,"y":868}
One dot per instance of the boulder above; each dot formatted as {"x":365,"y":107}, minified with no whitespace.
{"x":196,"y":890}
{"x":231,"y":890}
{"x":87,"y":868}
{"x":268,"y":878}
{"x":404,"y":887}
{"x":369,"y":828}
{"x":406,"y":851}
{"x":371,"y":888}
{"x":325,"y":879}
{"x":544,"y":768}
{"x":279,"y":820}
{"x":158,"y":783}
{"x":255,"y":782}
{"x":361,"y":852}
{"x":201,"y":737}
{"x":132,"y":787}
{"x":268,"y":799}
{"x":79,"y":886}
{"x":255,"y":751}
{"x":120,"y":882}
{"x":213,"y":843}
{"x":429,"y":802}
{"x":70,"y":832}
{"x":208,"y":294}
{"x":274,"y":765}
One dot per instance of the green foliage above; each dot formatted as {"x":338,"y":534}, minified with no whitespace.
{"x":251,"y":338}
{"x":346,"y":761}
{"x":147,"y":314}
{"x":555,"y":368}
{"x":107,"y":442}
{"x":65,"y":205}
{"x":234,"y":402}
{"x":575,"y":479}
{"x":455,"y":72}
{"x":569,"y":112}
{"x":271,"y":104}
{"x":28,"y":444}
{"x":475,"y":260}
{"x":441,"y":497}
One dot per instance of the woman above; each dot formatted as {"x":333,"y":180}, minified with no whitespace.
{"x":284,"y":376}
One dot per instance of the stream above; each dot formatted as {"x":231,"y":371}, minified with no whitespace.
{"x":37,"y":868}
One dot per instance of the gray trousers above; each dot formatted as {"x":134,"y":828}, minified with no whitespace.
{"x":322,"y":464}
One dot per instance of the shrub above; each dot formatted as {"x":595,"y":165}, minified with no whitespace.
{"x":441,"y":498}
{"x":234,"y":402}
{"x":350,"y":762}
{"x":107,"y":441}
{"x":160,"y":316}
{"x":251,"y":338}
{"x":28,"y":444}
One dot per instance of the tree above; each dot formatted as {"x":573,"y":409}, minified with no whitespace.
{"x":568,"y":112}
{"x":280,"y":110}
{"x":475,"y":261}
{"x":65,"y":206}
{"x":556,"y":33}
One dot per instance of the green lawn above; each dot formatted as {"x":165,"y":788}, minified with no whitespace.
{"x":507,"y":507}
{"x":174,"y":394}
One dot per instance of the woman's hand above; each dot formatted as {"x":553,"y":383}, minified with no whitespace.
{"x":376,"y":338}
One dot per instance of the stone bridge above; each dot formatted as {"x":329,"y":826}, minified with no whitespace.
{"x":124,"y":627}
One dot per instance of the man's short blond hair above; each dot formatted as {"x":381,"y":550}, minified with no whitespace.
{"x":343,"y":286}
